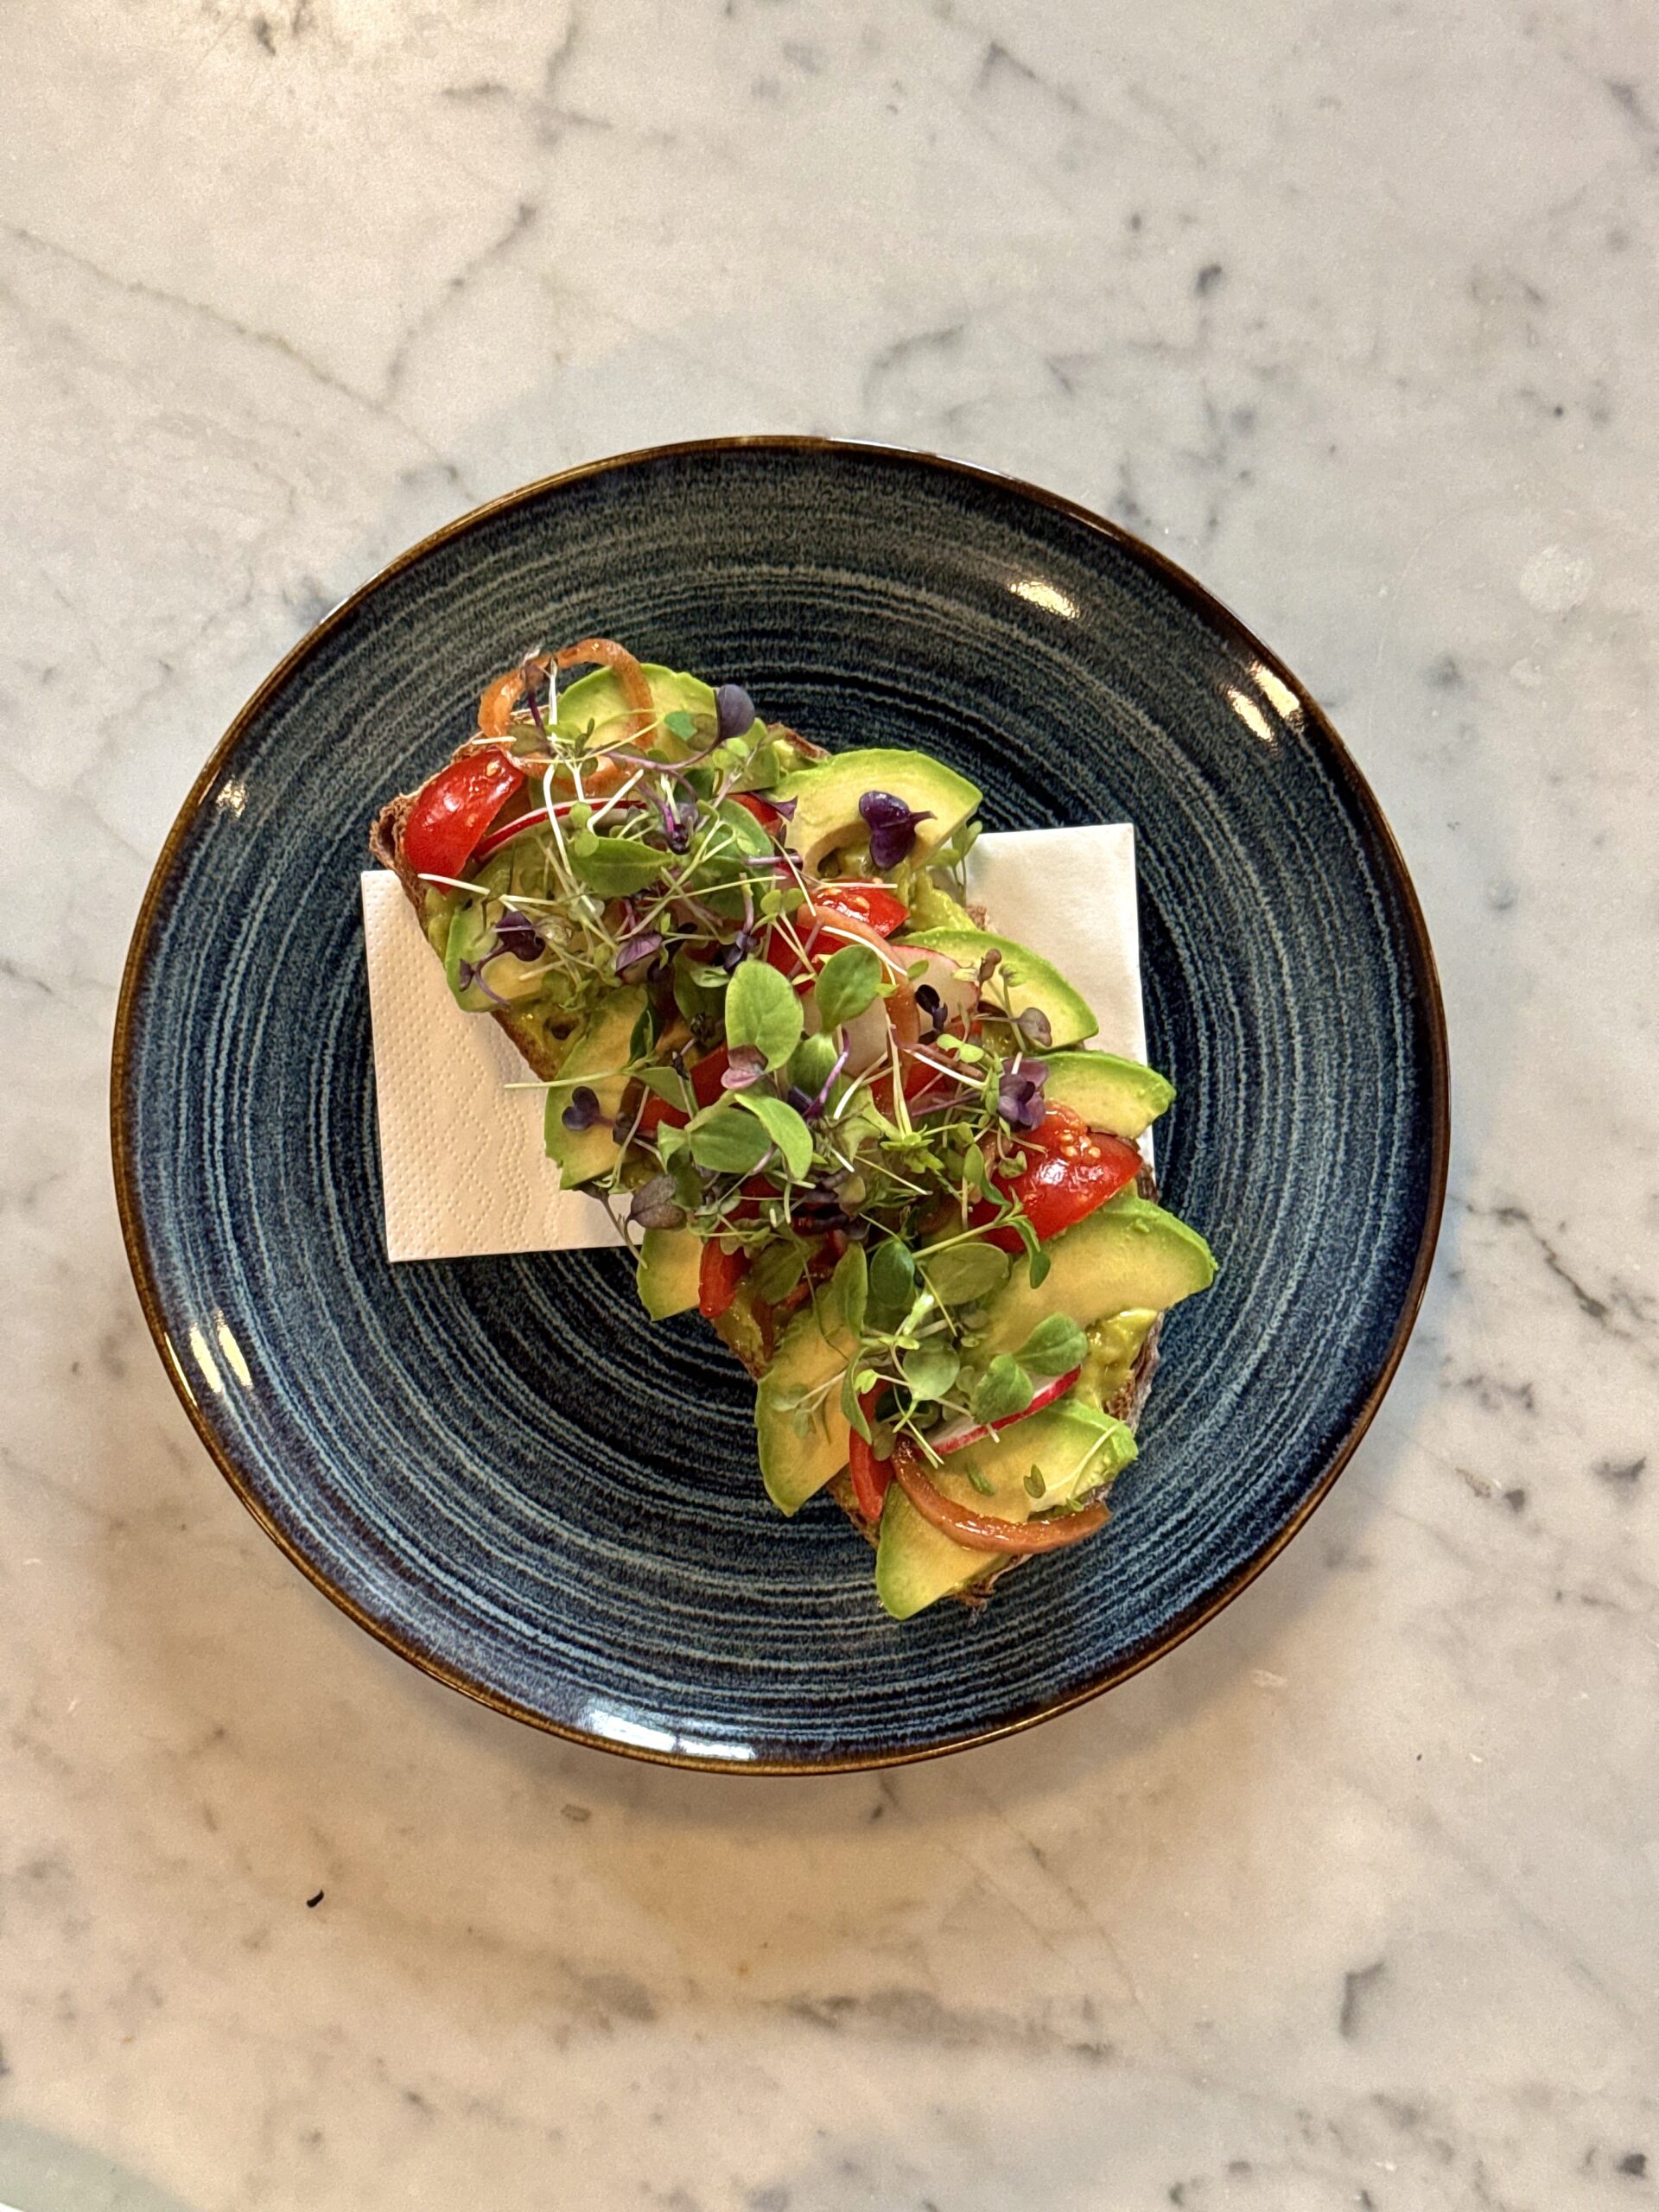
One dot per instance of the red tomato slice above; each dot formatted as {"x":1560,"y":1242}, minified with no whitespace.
{"x":830,"y":922}
{"x":705,"y":1089}
{"x":763,"y":811}
{"x":882,"y":910}
{"x":719,"y":1274}
{"x":1069,"y":1170}
{"x":452,"y":812}
{"x":870,"y":1476}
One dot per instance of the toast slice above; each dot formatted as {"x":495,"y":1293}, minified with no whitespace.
{"x":543,"y":1048}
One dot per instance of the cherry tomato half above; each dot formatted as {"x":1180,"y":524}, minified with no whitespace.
{"x":452,"y":812}
{"x":1069,"y":1170}
{"x":883,"y":911}
{"x":719,"y":1274}
{"x":705,"y":1089}
{"x":830,"y":922}
{"x":763,"y":811}
{"x":870,"y":1476}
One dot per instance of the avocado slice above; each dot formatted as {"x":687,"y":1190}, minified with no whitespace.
{"x":467,"y":940}
{"x":1076,"y":1449}
{"x":826,"y":798}
{"x":597,"y":699}
{"x":671,"y":1264}
{"x":1030,"y":979}
{"x":1114,"y":1346}
{"x":1122,"y":1097}
{"x":800,"y":1448}
{"x":598,"y":1055}
{"x":1127,"y":1255}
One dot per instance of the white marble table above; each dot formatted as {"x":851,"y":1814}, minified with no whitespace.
{"x":1351,"y":1902}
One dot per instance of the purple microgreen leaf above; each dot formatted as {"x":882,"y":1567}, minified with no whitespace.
{"x":517,"y":934}
{"x":1020,"y":1094}
{"x":1033,"y":1025}
{"x":742,"y":947}
{"x":654,"y":1204}
{"x":679,"y":820}
{"x":734,"y":710}
{"x":892,"y":825}
{"x":785,"y":807}
{"x":636,"y":950}
{"x":584,"y":1111}
{"x":933,"y":1006}
{"x":471,"y":975}
{"x":744,"y":1064}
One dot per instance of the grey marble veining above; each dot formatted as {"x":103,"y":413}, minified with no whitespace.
{"x":1351,"y":1902}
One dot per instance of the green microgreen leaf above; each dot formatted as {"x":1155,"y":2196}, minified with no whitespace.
{"x":762,"y":1011}
{"x":850,"y":1404}
{"x":786,"y":1128}
{"x":778,"y":1268}
{"x":810,"y":1062}
{"x":1002,"y":1390}
{"x":675,"y":1148}
{"x":848,"y":983}
{"x":615,"y":867}
{"x":681,"y":725}
{"x":959,"y":1272}
{"x":850,"y":1287}
{"x":930,"y":1369}
{"x":687,"y":997}
{"x":667,"y":1082}
{"x":730,"y":1142}
{"x":893,"y":1274}
{"x":1054,"y":1347}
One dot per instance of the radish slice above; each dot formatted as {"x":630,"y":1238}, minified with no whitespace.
{"x":508,"y":831}
{"x":964,"y":1432}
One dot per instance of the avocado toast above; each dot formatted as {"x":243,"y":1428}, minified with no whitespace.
{"x":828,"y":1106}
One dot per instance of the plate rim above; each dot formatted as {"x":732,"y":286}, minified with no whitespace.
{"x":1192,"y":594}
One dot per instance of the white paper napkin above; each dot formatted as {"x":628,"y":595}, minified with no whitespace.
{"x":462,"y":1161}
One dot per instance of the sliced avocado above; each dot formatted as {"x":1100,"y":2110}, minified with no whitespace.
{"x":1114,"y":1346}
{"x":1074,"y":1449}
{"x":468,"y":941}
{"x":932,"y":906}
{"x":1122,"y":1097}
{"x":598,"y":1054}
{"x":437,"y":912}
{"x":597,"y":699}
{"x":801,"y":1446}
{"x":670,"y":1262}
{"x":1127,"y":1255}
{"x":1030,"y":979}
{"x":827,"y":795}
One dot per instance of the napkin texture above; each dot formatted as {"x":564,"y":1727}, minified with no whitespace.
{"x":461,"y":1164}
{"x":1070,"y":895}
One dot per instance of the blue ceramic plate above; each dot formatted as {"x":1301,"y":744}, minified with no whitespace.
{"x":500,"y":1466}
